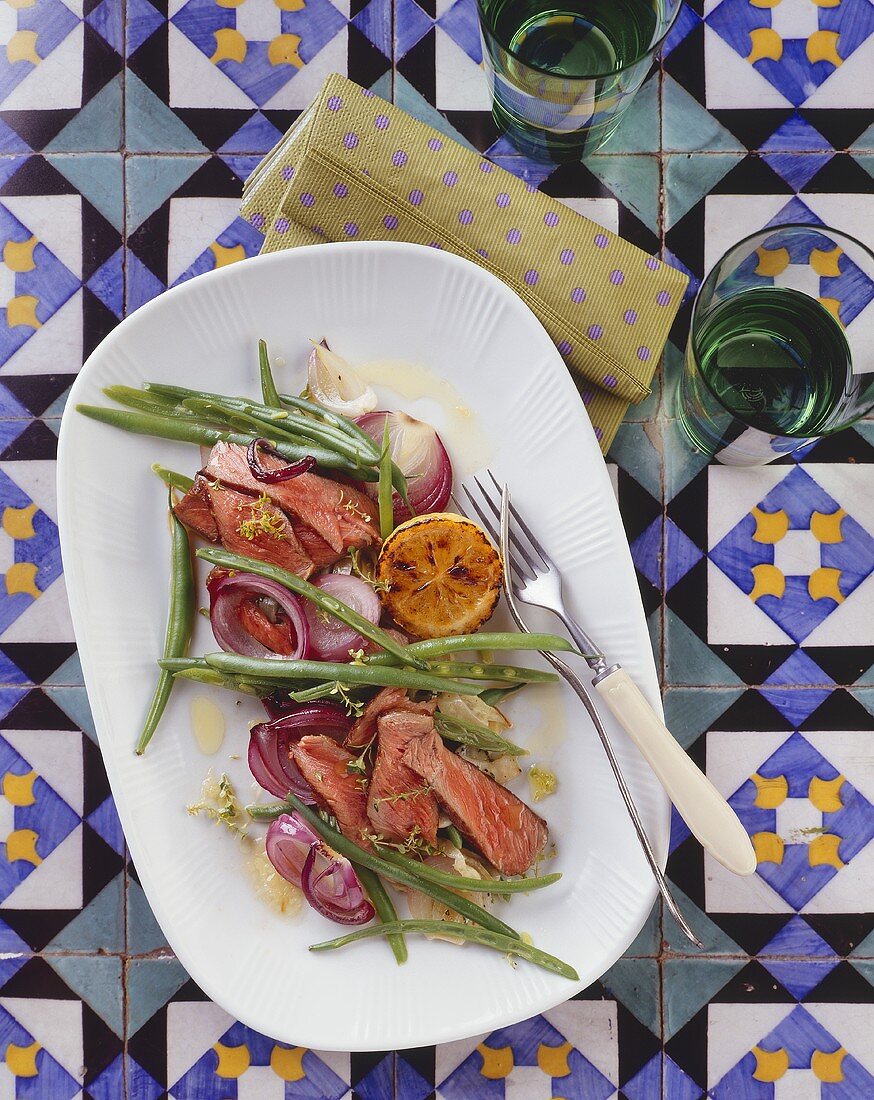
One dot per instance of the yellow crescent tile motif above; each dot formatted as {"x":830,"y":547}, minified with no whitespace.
{"x":22,"y":47}
{"x":770,"y":526}
{"x":764,"y":3}
{"x":827,"y":262}
{"x":770,"y":1065}
{"x":290,"y":5}
{"x":825,"y":794}
{"x":22,"y":1060}
{"x":283,"y":51}
{"x":767,"y":581}
{"x":769,"y":847}
{"x":772,"y":261}
{"x":554,"y":1060}
{"x":823,"y":584}
{"x":230,"y":45}
{"x":767,"y":44}
{"x":21,"y":844}
{"x":18,"y":789}
{"x":770,"y":793}
{"x":18,"y":522}
{"x":21,"y":310}
{"x":823,"y":850}
{"x":232,"y":1061}
{"x":823,"y":46}
{"x":826,"y":526}
{"x":828,"y":1067}
{"x":20,"y":3}
{"x":18,"y":255}
{"x":288,"y":1063}
{"x":833,"y":305}
{"x":230,"y":3}
{"x":225,"y":256}
{"x":497,"y":1063}
{"x":21,"y":577}
{"x":827,"y":3}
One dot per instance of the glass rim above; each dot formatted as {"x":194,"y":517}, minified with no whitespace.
{"x":648,"y":52}
{"x":694,"y":322}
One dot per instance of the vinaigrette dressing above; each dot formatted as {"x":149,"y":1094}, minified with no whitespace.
{"x":207,"y":724}
{"x":469,"y":447}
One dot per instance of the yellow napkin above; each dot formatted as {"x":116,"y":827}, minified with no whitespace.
{"x":354,"y":167}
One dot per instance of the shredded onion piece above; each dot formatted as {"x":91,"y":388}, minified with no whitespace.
{"x":271,"y":477}
{"x":269,"y":757}
{"x":329,"y":638}
{"x":334,"y":384}
{"x":228,"y":592}
{"x":418,"y":451}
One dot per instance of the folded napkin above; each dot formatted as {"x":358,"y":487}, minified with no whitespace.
{"x":356,"y":167}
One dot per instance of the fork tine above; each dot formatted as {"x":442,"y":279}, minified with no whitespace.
{"x":536,"y":546}
{"x":514,"y":563}
{"x":514,"y":539}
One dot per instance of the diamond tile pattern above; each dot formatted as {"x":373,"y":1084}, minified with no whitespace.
{"x":126,"y":130}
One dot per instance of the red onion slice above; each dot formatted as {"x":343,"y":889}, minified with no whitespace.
{"x":419,"y":452}
{"x":270,"y":476}
{"x":270,"y":760}
{"x":328,"y":880}
{"x":229,"y":592}
{"x":330,"y":639}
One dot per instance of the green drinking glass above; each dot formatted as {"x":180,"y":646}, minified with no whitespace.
{"x":561,"y":72}
{"x":781,"y":345}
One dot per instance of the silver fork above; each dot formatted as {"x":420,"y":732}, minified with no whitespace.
{"x":536,"y":580}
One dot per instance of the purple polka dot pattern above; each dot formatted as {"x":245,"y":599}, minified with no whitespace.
{"x":287,"y":172}
{"x":416,"y":197}
{"x":487,"y":166}
{"x":578,"y":295}
{"x":601,"y":241}
{"x":530,"y":188}
{"x":435,"y":145}
{"x":610,"y":381}
{"x":435,"y":244}
{"x":630,"y":316}
{"x":652,"y":263}
{"x":281,"y":225}
{"x":532,"y":277}
{"x":350,"y":229}
{"x":306,"y":199}
{"x":663,"y":298}
{"x":643,"y":353}
{"x":514,"y":236}
{"x":595,"y":332}
{"x":465,"y":217}
{"x":565,"y":347}
{"x":567,"y":256}
{"x":258,"y":220}
{"x":587,"y":396}
{"x":335,"y":103}
{"x":381,"y":122}
{"x":399,"y":159}
{"x":599,"y":435}
{"x":617,"y":277}
{"x":390,"y":221}
{"x":340,"y":190}
{"x":450,"y":178}
{"x":367,"y":92}
{"x":502,"y":200}
{"x":550,"y":219}
{"x":319,"y":232}
{"x":350,"y":140}
{"x":482,"y":252}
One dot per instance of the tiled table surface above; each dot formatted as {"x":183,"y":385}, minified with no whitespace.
{"x":125,"y":134}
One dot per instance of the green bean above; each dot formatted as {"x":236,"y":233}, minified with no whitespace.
{"x":268,"y":386}
{"x":145,"y":402}
{"x":504,"y":944}
{"x":171,"y":479}
{"x":454,"y":837}
{"x":439,"y":647}
{"x":180,"y":619}
{"x":493,"y":696}
{"x":321,"y":599}
{"x":385,"y":910}
{"x":478,"y":737}
{"x":468,"y":885}
{"x":278,"y":672}
{"x":386,"y":507}
{"x":268,"y":811}
{"x":317,"y":691}
{"x":361,"y":858}
{"x":468,"y":671}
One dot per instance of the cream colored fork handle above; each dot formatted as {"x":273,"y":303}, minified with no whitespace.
{"x":698,"y":802}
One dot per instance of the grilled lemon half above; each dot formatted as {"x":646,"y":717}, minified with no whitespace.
{"x":441,"y":575}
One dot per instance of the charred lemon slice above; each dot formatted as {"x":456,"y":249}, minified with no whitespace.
{"x":441,"y":575}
